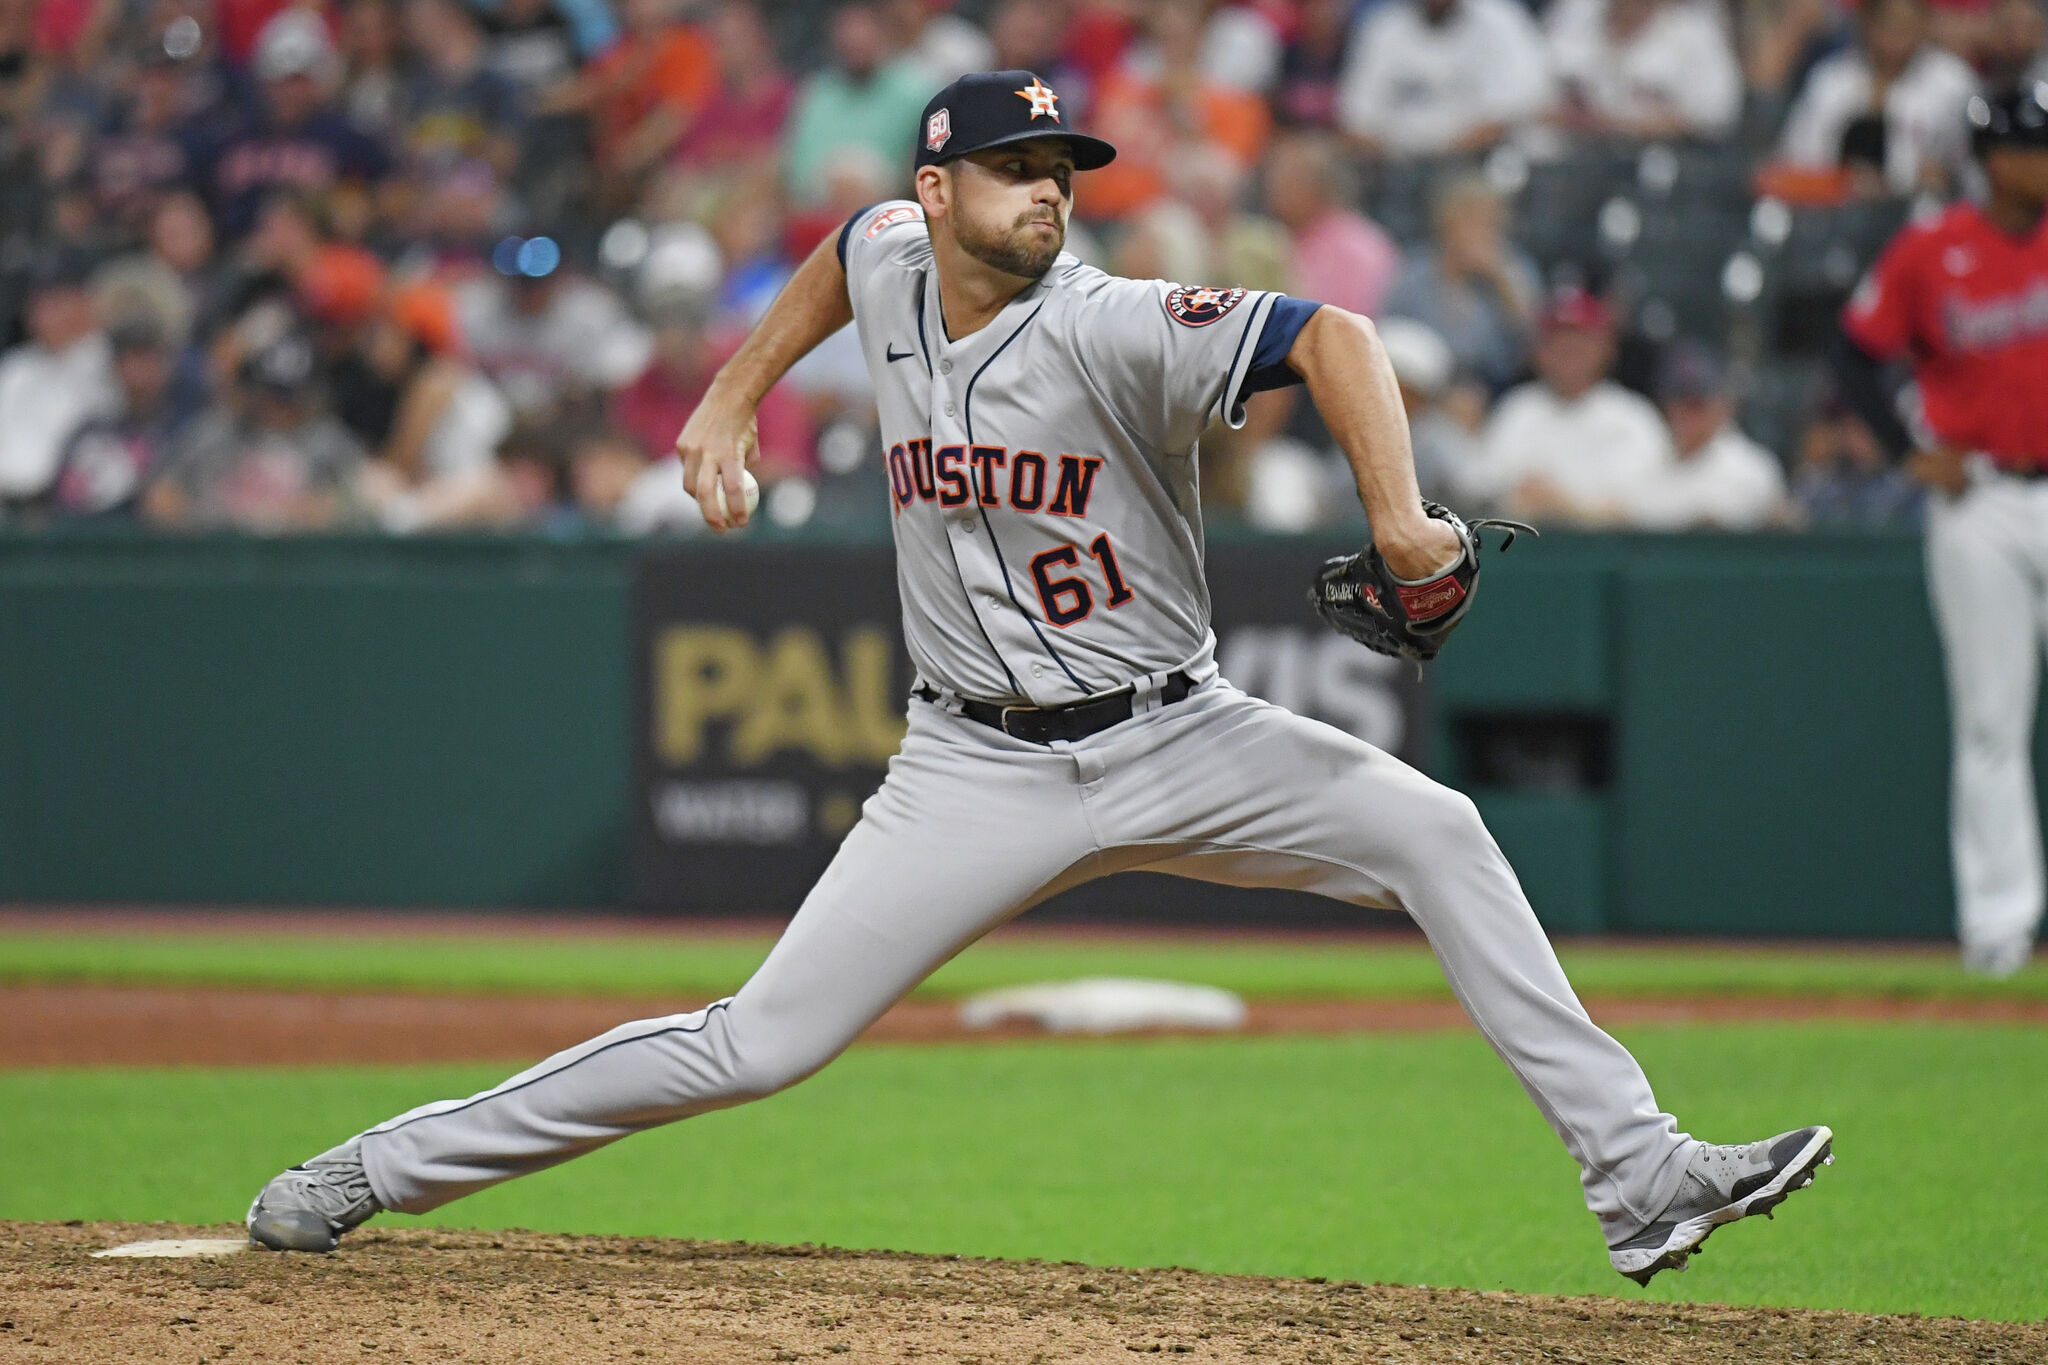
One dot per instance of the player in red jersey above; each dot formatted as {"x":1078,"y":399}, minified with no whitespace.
{"x":1962,"y":301}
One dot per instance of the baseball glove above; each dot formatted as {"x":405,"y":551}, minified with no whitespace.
{"x":1359,"y":596}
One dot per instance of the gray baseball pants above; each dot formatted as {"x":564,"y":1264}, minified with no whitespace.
{"x":1987,"y":575}
{"x":972,"y":827}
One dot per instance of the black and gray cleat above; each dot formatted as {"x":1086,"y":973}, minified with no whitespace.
{"x":1721,"y":1185}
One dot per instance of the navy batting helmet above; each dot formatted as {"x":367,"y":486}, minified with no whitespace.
{"x":2017,"y":118}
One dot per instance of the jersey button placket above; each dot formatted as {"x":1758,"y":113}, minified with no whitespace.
{"x":976,"y":560}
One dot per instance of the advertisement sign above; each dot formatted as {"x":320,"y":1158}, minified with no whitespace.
{"x":770,"y":689}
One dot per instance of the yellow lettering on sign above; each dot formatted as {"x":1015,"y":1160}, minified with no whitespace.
{"x":786,"y":696}
{"x":701,"y":673}
{"x":795,"y":704}
{"x":873,"y":704}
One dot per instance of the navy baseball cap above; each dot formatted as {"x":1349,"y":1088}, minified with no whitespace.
{"x":2016,"y":118}
{"x":994,"y":108}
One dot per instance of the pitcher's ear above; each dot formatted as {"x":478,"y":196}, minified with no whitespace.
{"x":934,"y":187}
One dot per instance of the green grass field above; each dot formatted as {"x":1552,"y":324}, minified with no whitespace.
{"x":1408,"y":1158}
{"x":1411,"y":1159}
{"x":707,"y":966}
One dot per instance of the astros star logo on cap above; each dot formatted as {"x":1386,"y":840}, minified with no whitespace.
{"x":1043,"y":100}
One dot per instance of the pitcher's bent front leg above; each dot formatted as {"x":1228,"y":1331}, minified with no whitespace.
{"x":1263,"y":797}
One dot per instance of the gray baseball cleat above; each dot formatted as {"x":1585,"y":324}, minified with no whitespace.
{"x":1721,"y":1185}
{"x":1998,"y":958}
{"x":308,"y":1207}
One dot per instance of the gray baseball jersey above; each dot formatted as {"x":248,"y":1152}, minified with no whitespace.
{"x":1042,"y":473}
{"x":1042,"y":470}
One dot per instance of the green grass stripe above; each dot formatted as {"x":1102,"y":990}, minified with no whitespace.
{"x":707,"y":966}
{"x":1412,"y":1159}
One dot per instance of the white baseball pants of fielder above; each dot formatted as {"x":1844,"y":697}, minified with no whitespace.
{"x":1987,"y":573}
{"x":972,"y":826}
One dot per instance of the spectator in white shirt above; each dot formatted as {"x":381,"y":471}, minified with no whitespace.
{"x":1241,"y":48}
{"x":1238,"y":48}
{"x":1427,"y":77}
{"x":1720,"y":480}
{"x":1571,"y":447}
{"x":548,"y":337}
{"x":1896,"y":81}
{"x":1644,"y":68}
{"x":58,"y":379}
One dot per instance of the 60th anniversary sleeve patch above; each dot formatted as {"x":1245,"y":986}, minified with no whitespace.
{"x":890,"y":217}
{"x":1200,"y":307}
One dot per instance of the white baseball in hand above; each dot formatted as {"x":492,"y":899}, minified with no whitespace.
{"x":750,"y":492}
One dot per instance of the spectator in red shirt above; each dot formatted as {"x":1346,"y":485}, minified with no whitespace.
{"x":743,"y":125}
{"x":654,"y":407}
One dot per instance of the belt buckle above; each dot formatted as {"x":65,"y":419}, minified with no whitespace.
{"x":1003,"y":720}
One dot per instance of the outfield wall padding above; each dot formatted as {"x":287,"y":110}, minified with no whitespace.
{"x":449,"y":723}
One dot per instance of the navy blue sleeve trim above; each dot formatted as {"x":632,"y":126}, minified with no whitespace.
{"x":847,"y":231}
{"x":1268,"y":369}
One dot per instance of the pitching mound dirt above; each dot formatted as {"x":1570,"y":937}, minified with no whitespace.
{"x":430,"y":1296}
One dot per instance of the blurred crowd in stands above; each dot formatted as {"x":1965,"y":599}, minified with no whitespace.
{"x":275,"y":265}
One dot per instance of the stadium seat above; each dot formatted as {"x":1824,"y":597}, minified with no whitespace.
{"x":1779,"y":398}
{"x":1811,"y":268}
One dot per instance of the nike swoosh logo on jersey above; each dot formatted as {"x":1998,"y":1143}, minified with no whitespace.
{"x":890,"y":351}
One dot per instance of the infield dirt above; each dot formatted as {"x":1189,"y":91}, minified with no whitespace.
{"x":101,"y":1025}
{"x":430,"y":1296}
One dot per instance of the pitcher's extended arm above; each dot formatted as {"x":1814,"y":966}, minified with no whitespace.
{"x":718,"y":440}
{"x":1352,"y":382}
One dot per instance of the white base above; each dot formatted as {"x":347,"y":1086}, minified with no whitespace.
{"x":180,"y":1247}
{"x":1106,"y":1004}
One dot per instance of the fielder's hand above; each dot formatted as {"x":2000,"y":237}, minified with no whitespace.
{"x":718,"y":443}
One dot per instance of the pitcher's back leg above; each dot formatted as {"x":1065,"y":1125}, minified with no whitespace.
{"x":968,"y":829}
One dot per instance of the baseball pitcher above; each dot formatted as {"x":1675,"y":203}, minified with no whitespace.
{"x":1040,"y":421}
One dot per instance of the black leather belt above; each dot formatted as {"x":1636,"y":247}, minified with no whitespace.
{"x":1043,"y":725}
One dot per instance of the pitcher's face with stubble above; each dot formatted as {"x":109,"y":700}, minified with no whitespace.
{"x":1010,"y":205}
